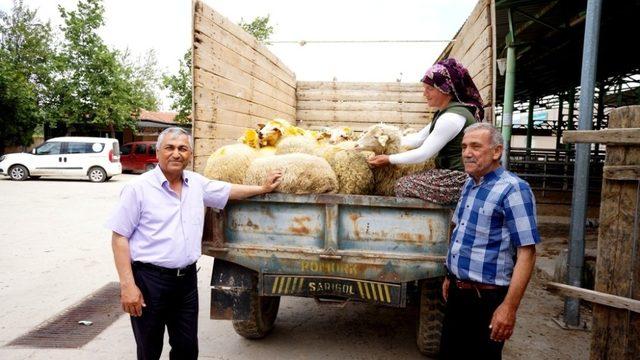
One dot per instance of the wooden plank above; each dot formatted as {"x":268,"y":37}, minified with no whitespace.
{"x":209,"y":28}
{"x":363,"y":106}
{"x":225,"y":86}
{"x":222,"y":116}
{"x":363,"y":116}
{"x":480,"y":65}
{"x":596,"y":297}
{"x":629,"y":136}
{"x":245,"y":37}
{"x":469,"y":33}
{"x":356,"y":95}
{"x":482,"y":42}
{"x":357,"y":126}
{"x":622,"y":172}
{"x":212,"y":48}
{"x":615,"y":332}
{"x":208,"y":99}
{"x":377,"y":86}
{"x":208,"y":130}
{"x":265,"y":81}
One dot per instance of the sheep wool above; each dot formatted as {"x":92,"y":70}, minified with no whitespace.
{"x":296,"y":144}
{"x":302,"y":173}
{"x":229,"y":163}
{"x":385,"y":139}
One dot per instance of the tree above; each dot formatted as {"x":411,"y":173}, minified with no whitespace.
{"x":26,"y":58}
{"x":180,"y":84}
{"x":96,"y":87}
{"x":259,"y":28}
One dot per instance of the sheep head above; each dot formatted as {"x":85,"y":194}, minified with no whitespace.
{"x":381,"y":139}
{"x":340,"y":134}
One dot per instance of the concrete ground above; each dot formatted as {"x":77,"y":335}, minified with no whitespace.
{"x":55,"y":252}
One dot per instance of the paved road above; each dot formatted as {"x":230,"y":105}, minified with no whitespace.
{"x":55,"y":252}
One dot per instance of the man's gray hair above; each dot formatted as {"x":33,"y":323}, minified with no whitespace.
{"x":494,"y":134}
{"x":173,"y":132}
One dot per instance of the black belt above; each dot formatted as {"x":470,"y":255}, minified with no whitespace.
{"x":163,"y":270}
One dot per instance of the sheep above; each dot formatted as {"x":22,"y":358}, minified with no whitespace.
{"x":351,"y":167}
{"x":296,"y":144}
{"x":302,"y":173}
{"x":250,"y":138}
{"x":385,"y":139}
{"x":230,"y":162}
{"x":271,"y":132}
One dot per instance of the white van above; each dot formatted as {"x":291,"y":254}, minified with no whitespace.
{"x":96,"y":158}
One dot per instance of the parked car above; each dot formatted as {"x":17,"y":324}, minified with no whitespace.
{"x":138,"y":156}
{"x":96,"y":158}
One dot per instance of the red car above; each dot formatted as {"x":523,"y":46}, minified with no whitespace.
{"x":139,"y":156}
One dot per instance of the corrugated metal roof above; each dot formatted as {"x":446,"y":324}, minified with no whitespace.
{"x":549,"y":49}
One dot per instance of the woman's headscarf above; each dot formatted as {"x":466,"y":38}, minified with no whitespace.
{"x":450,"y":77}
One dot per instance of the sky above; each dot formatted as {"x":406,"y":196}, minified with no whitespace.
{"x":165,"y":27}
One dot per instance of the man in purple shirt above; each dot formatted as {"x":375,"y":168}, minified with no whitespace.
{"x":157,"y":234}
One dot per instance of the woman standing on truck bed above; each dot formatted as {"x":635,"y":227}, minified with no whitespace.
{"x":449,"y":88}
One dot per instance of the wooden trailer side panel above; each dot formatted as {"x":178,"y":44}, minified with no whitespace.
{"x":474,"y":47}
{"x":237,"y":83}
{"x":360,"y":105}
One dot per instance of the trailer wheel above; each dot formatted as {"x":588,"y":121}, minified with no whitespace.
{"x":263,"y":313}
{"x":430,"y":319}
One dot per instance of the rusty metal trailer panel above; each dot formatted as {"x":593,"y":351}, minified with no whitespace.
{"x":357,"y":247}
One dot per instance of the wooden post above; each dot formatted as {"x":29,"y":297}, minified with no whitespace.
{"x":616,"y":332}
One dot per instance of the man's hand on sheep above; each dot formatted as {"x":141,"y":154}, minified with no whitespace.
{"x":274,"y":178}
{"x":379,"y":160}
{"x":239,"y":191}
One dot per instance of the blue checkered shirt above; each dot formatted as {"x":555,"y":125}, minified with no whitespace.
{"x":492,"y":218}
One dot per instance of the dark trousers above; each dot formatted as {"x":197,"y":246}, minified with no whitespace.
{"x":465,"y":329}
{"x":172,"y":301}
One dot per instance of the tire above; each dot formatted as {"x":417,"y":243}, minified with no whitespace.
{"x":18,"y":173}
{"x":149,"y":167}
{"x":264,"y":310}
{"x":430,"y":320}
{"x":97,"y":174}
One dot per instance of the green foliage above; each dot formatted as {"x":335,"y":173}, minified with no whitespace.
{"x":179,"y":86}
{"x":98,"y":87}
{"x":26,"y":58}
{"x":259,"y":28}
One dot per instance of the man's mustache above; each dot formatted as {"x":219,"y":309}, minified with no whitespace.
{"x":470,"y":161}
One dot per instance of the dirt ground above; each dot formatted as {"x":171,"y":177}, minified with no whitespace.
{"x":56,"y":252}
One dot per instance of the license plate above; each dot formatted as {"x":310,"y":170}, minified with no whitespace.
{"x":351,"y":289}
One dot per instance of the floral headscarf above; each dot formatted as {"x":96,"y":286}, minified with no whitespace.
{"x":450,"y":77}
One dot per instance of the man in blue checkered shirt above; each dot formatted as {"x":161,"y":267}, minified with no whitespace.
{"x":492,"y":251}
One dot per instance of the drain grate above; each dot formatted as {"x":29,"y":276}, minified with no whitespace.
{"x":102,"y":308}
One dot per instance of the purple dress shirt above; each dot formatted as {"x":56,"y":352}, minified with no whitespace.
{"x":162,"y":228}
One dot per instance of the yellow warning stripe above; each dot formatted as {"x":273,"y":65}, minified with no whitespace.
{"x":275,"y":285}
{"x":286,"y":287}
{"x":373,"y":291}
{"x":293,"y":286}
{"x":360,"y":289}
{"x":380,"y":292}
{"x":366,"y":290}
{"x":386,"y":291}
{"x":281,"y":286}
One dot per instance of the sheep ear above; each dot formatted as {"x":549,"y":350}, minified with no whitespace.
{"x":260,"y":126}
{"x":382,"y":139}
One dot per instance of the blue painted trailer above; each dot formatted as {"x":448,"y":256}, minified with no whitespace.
{"x":331,"y":247}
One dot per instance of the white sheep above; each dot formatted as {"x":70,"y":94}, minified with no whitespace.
{"x":350,"y":166}
{"x":302,"y":173}
{"x":230,"y":162}
{"x":385,"y":139}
